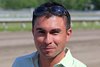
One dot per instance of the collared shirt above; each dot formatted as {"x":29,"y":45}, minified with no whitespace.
{"x":32,"y":61}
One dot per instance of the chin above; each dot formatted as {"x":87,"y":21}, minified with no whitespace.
{"x":49,"y":56}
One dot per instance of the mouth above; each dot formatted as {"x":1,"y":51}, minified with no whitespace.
{"x":48,"y":49}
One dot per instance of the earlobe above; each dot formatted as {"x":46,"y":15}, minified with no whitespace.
{"x":69,"y":32}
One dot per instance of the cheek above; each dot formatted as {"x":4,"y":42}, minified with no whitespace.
{"x":60,"y":40}
{"x":38,"y":40}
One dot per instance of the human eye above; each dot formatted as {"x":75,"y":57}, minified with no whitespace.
{"x":40,"y":31}
{"x":55,"y":31}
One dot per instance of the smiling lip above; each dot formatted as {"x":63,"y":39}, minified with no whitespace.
{"x":48,"y":49}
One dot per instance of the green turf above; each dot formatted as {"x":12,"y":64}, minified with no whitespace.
{"x":88,"y":25}
{"x":18,"y":26}
{"x":15,"y":27}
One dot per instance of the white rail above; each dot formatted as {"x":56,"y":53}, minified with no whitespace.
{"x":74,"y":19}
{"x":25,"y":16}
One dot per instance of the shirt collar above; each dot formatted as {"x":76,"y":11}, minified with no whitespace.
{"x":35,"y":60}
{"x":67,"y":60}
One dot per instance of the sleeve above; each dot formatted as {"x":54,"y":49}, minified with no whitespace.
{"x":16,"y":63}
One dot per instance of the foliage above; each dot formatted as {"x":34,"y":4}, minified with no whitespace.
{"x":74,"y":4}
{"x":96,"y":4}
{"x":69,"y":4}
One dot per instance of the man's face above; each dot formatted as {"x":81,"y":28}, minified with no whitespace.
{"x":50,"y":35}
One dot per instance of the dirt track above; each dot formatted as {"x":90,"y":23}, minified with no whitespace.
{"x":85,"y":46}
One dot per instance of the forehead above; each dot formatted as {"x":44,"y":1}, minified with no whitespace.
{"x":50,"y":22}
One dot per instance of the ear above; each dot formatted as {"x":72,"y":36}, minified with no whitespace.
{"x":68,"y":32}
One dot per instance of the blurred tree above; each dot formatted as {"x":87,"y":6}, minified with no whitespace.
{"x":74,"y":4}
{"x":18,"y":4}
{"x":69,"y":4}
{"x":96,"y":4}
{"x":2,"y":4}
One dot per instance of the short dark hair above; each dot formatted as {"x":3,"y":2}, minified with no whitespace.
{"x":48,"y":5}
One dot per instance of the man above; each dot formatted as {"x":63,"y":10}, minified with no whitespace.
{"x":51,"y":28}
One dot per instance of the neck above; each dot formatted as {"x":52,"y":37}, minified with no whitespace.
{"x":45,"y":62}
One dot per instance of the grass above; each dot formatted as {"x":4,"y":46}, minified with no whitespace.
{"x":15,"y":27}
{"x":85,"y":26}
{"x":27,"y":26}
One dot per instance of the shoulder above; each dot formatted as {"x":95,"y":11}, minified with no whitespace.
{"x":75,"y":62}
{"x":78,"y":63}
{"x":23,"y":61}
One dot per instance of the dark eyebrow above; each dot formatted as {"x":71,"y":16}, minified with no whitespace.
{"x":56,"y":30}
{"x":52,"y":31}
{"x":39,"y":29}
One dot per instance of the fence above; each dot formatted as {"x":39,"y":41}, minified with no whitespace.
{"x":25,"y":15}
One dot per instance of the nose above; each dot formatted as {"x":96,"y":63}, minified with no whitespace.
{"x":48,"y":39}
